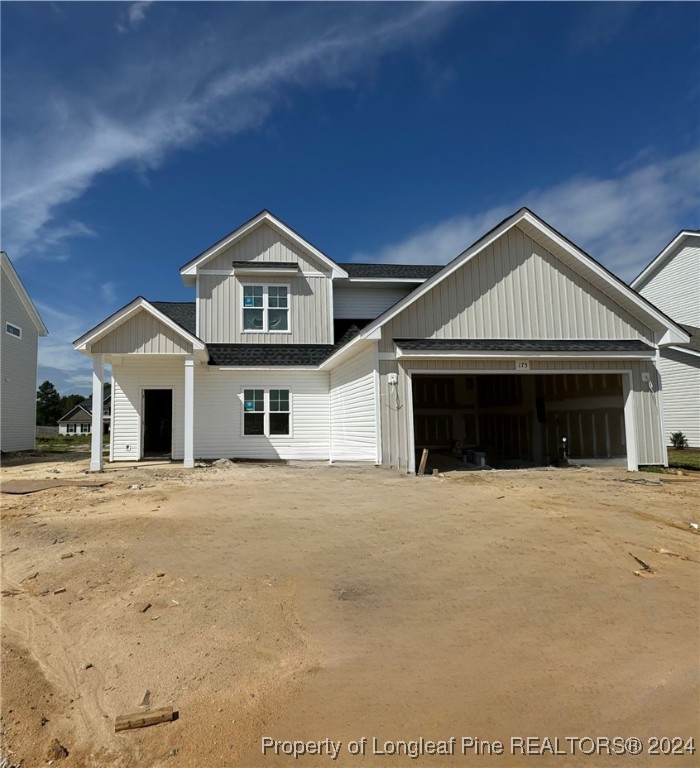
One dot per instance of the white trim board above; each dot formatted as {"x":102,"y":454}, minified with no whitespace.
{"x":21,"y":292}
{"x":659,"y":260}
{"x":125,"y":314}
{"x":264,"y":217}
{"x":674,"y":332}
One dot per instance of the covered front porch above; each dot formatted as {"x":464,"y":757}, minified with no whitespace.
{"x":153,"y":363}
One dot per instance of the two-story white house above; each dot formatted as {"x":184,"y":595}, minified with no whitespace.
{"x":672,"y":282}
{"x":520,"y":341}
{"x":19,"y":348}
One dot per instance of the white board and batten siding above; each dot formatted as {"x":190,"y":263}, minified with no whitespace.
{"x":18,"y":366}
{"x":354,"y":414}
{"x":358,"y":301}
{"x":142,"y":334}
{"x":680,"y":375}
{"x":675,"y":287}
{"x":220,"y":292}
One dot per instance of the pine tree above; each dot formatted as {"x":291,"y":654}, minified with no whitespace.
{"x":48,"y":405}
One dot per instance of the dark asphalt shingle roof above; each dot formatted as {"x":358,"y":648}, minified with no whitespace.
{"x":523,"y":345}
{"x":387,"y":271}
{"x":694,"y":342}
{"x":276,"y":354}
{"x":181,"y":312}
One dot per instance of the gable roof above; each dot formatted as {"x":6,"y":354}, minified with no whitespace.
{"x":184,"y":313}
{"x":264,"y":217}
{"x":22,"y":294}
{"x":658,"y":262}
{"x":560,"y":246}
{"x":126,"y":313}
{"x":78,"y":413}
{"x":412,"y":272}
{"x":693,"y":346}
{"x":530,"y":346}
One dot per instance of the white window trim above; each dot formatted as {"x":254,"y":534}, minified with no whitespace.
{"x":70,"y":431}
{"x":266,"y":412}
{"x":82,"y":432}
{"x":265,"y":307}
{"x":9,"y":333}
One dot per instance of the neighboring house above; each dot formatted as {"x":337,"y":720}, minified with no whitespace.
{"x":672,"y":283}
{"x":520,"y":341}
{"x":21,"y":328}
{"x":78,"y":421}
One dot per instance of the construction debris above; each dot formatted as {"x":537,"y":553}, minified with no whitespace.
{"x":144,"y":719}
{"x":56,"y":751}
{"x":146,"y":700}
{"x":145,"y":607}
{"x":644,"y":565}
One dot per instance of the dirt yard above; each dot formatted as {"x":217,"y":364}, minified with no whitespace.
{"x":317,"y":602}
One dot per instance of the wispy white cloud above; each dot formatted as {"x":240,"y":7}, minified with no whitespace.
{"x":135,"y":14}
{"x":623,"y":220}
{"x":148,"y":107}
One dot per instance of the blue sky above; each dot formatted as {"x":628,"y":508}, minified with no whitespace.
{"x":134,"y":135}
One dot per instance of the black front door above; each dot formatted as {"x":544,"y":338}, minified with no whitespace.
{"x":157,"y":421}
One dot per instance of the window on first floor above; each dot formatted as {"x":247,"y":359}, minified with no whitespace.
{"x":85,"y":429}
{"x":13,"y":330}
{"x":266,"y":308}
{"x":266,"y":412}
{"x":71,"y":428}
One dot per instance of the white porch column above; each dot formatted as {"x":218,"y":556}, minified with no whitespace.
{"x":96,"y":445}
{"x":189,"y":412}
{"x":630,"y":425}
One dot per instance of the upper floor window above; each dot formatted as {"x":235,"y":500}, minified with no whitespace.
{"x":266,"y":308}
{"x":13,"y":330}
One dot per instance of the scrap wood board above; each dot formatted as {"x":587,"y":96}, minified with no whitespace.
{"x":32,"y":486}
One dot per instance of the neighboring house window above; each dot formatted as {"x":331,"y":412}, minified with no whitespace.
{"x":13,"y":330}
{"x":266,"y":308}
{"x":266,"y":412}
{"x":85,"y":429}
{"x":70,"y":429}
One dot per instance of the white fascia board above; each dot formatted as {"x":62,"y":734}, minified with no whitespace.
{"x":268,"y":368}
{"x":685,"y":350}
{"x":126,"y":313}
{"x":345,"y":353}
{"x":24,"y":297}
{"x":525,"y":355}
{"x":388,"y":280}
{"x":674,"y":336}
{"x":659,"y":260}
{"x":522,"y":215}
{"x":265,"y":216}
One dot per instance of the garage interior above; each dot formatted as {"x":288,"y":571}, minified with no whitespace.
{"x":511,"y":421}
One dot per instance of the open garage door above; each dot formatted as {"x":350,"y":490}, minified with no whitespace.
{"x":510,"y":420}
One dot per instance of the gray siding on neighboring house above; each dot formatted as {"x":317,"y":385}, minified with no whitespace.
{"x":680,"y":376}
{"x":219,"y":296}
{"x":675,"y":287}
{"x":142,"y":334}
{"x":514,"y":289}
{"x":359,"y":301}
{"x":18,"y":368}
{"x":395,"y":415}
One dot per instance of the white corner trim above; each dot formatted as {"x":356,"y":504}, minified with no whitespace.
{"x":264,"y":217}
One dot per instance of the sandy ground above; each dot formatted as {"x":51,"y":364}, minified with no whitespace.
{"x":310,"y":602}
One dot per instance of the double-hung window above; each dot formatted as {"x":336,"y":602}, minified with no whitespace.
{"x":85,"y":429}
{"x":70,"y":428}
{"x":266,"y":412}
{"x":266,"y":308}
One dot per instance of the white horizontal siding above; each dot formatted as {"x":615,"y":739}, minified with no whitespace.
{"x":359,"y":301}
{"x":130,"y":379}
{"x":18,"y":358}
{"x":680,"y":379}
{"x":218,"y":415}
{"x":354,"y":410}
{"x":675,"y":287}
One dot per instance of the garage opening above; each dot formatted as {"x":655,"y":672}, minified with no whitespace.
{"x":510,"y":421}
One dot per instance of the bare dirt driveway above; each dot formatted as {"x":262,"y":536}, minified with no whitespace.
{"x":314,"y":602}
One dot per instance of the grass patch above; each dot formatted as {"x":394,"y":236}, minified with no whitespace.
{"x":687,"y":458}
{"x":64,"y":443}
